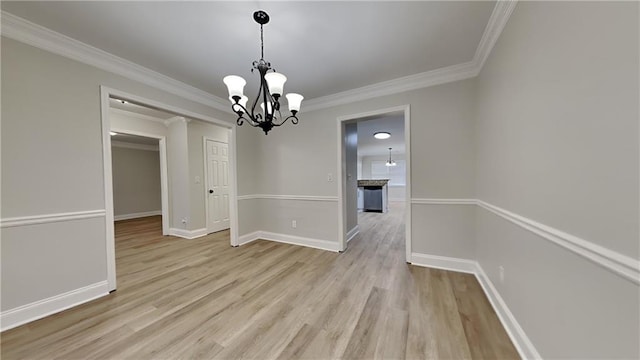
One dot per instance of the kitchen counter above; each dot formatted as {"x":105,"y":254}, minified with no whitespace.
{"x":381,"y":182}
{"x":372,"y":195}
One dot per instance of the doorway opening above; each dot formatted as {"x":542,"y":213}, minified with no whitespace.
{"x":371,"y":176}
{"x":180,"y":135}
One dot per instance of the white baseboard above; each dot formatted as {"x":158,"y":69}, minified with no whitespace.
{"x":136,"y":215}
{"x":353,"y":232}
{"x":514,"y":330}
{"x":289,"y":239}
{"x":247,"y":238}
{"x":42,"y":308}
{"x":516,"y":333}
{"x":443,"y":262}
{"x":188,"y":234}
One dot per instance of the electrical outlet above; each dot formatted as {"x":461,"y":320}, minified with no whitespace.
{"x":329,"y":177}
{"x":501,"y":268}
{"x":184,"y":220}
{"x":294,"y":224}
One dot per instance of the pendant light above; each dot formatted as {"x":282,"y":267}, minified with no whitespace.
{"x":390,"y":162}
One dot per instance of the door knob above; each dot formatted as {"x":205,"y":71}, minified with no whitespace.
{"x":210,"y":191}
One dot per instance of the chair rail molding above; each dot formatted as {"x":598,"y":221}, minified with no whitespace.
{"x":288,"y":197}
{"x":620,"y":264}
{"x":50,"y":218}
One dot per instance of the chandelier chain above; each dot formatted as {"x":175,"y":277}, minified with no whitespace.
{"x":261,"y":43}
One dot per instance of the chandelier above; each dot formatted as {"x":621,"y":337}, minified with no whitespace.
{"x":390,"y":162}
{"x":269,"y":92}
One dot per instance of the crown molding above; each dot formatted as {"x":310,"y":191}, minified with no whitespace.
{"x":22,"y":30}
{"x":497,"y":21}
{"x":27,"y":32}
{"x":395,"y":86}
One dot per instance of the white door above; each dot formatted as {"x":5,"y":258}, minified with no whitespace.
{"x":217,"y":186}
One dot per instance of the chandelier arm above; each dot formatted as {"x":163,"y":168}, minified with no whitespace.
{"x":294,"y":120}
{"x":241,"y":111}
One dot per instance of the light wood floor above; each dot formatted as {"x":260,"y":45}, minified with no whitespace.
{"x":204,"y":299}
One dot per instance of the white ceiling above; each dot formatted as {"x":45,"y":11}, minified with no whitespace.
{"x":323,"y":47}
{"x":370,"y":146}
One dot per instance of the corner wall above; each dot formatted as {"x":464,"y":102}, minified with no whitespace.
{"x":557,"y":143}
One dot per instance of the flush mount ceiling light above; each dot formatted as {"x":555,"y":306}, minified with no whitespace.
{"x":382,"y":135}
{"x":269,"y":92}
{"x":390,"y":162}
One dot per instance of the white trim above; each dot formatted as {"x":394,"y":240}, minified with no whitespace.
{"x":164,"y":185}
{"x":406,"y":110}
{"x":444,"y":262}
{"x":289,"y":239}
{"x":42,"y":308}
{"x":107,"y":174}
{"x":623,"y":265}
{"x":50,"y":218}
{"x":499,"y":18}
{"x":247,"y":238}
{"x":620,"y":264}
{"x":127,"y":145}
{"x":233,"y":191}
{"x":136,"y":215}
{"x":188,"y":234}
{"x":288,"y":197}
{"x":353,"y":232}
{"x":518,"y":337}
{"x":30,"y":33}
{"x":444,"y":201}
{"x":19,"y":29}
{"x":412,"y":82}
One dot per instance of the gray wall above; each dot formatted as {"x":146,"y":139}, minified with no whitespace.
{"x":351,"y":174}
{"x":136,"y":181}
{"x":557,"y":142}
{"x":44,"y":137}
{"x":296,"y":159}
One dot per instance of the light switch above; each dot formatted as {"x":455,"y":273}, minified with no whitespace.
{"x":197,"y":179}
